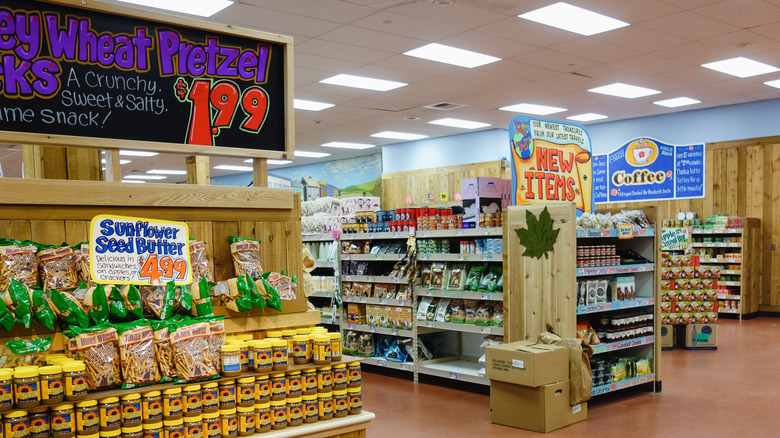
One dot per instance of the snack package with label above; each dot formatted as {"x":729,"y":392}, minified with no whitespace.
{"x":437,"y":275}
{"x":490,"y":278}
{"x":422,"y":308}
{"x":18,"y":261}
{"x":18,"y":300}
{"x":57,"y":267}
{"x":484,"y":313}
{"x":42,"y":309}
{"x":199,"y":261}
{"x":498,"y":314}
{"x":474,"y":277}
{"x":285,"y":286}
{"x":458,"y":311}
{"x":246,"y":257}
{"x":136,"y":354}
{"x":471,"y":311}
{"x":25,"y":352}
{"x":444,"y":310}
{"x":457,"y":276}
{"x":158,"y":300}
{"x":163,"y":353}
{"x":216,"y":339}
{"x":97,"y":347}
{"x":190,"y":344}
{"x":133,"y":301}
{"x":201,"y":298}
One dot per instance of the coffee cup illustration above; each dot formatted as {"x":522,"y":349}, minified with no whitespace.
{"x":641,"y":155}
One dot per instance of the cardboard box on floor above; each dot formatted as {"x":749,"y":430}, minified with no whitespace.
{"x":542,"y":409}
{"x":527,"y":363}
{"x":701,"y":336}
{"x":667,"y":336}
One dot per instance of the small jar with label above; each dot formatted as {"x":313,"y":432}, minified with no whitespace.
{"x":231,"y":360}
{"x":325,"y":405}
{"x":87,"y":418}
{"x":303,"y":330}
{"x":310,"y":409}
{"x":245,"y":392}
{"x":262,"y":389}
{"x":279,"y":359}
{"x":40,"y":422}
{"x":153,"y":430}
{"x":294,"y":411}
{"x":301,"y":349}
{"x":212,"y":428}
{"x":111,"y":434}
{"x":324,"y":379}
{"x":246,"y":420}
{"x":173,"y":428}
{"x":355,"y":401}
{"x":16,"y":424}
{"x":62,"y":421}
{"x":335,"y":346}
{"x":6,"y":390}
{"x":151,"y":407}
{"x":250,"y":353}
{"x":288,"y":335}
{"x":193,"y":402}
{"x":75,"y":375}
{"x":340,"y":403}
{"x":110,"y":414}
{"x":133,"y":432}
{"x":193,"y":427}
{"x":263,"y":417}
{"x":278,"y":386}
{"x":354,"y":376}
{"x":294,"y":384}
{"x":244,"y":350}
{"x":320,"y":350}
{"x":309,"y":381}
{"x":52,"y":385}
{"x":229,"y":422}
{"x":173,"y":405}
{"x":131,"y":410}
{"x":340,"y":376}
{"x":210,"y":397}
{"x":27,"y":387}
{"x":227,"y":394}
{"x":262,"y":353}
{"x":278,"y":414}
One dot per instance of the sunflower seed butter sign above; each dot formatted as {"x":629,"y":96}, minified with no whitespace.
{"x":551,"y":162}
{"x":127,"y":250}
{"x":648,"y":169}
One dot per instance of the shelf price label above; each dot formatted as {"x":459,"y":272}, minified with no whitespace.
{"x":454,"y":376}
{"x":625,"y":231}
{"x":128,"y":250}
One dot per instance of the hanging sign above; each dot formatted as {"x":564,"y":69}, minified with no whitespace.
{"x":551,"y":162}
{"x":647,"y":169}
{"x":625,"y":231}
{"x":88,"y":74}
{"x":127,"y":250}
{"x":675,"y":239}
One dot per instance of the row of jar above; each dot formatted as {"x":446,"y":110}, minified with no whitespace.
{"x":65,"y":421}
{"x":28,"y":387}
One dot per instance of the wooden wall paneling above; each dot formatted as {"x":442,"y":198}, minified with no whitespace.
{"x":83,"y":164}
{"x":773,"y":221}
{"x":223,"y":261}
{"x":294,"y":262}
{"x":76,"y":232}
{"x":273,"y":249}
{"x":732,"y":181}
{"x":15,"y":229}
{"x":54,"y":160}
{"x":47,"y":232}
{"x":751,"y":266}
{"x":754,"y":207}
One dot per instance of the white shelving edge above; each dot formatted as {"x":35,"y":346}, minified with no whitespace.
{"x":462,"y":370}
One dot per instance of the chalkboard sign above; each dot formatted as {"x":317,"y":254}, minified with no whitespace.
{"x":67,"y":71}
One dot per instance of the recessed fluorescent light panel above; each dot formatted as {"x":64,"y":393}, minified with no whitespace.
{"x":133,"y":181}
{"x":279,"y":162}
{"x":741,"y":67}
{"x":344,"y":145}
{"x":587,"y":117}
{"x":578,"y":20}
{"x":201,"y":8}
{"x":103,"y":161}
{"x":775,"y":83}
{"x":151,"y":177}
{"x":310,"y":105}
{"x":458,"y":123}
{"x":363,"y":82}
{"x":398,"y":135}
{"x":166,"y":172}
{"x":133,"y":153}
{"x":230,"y":167}
{"x":624,"y":90}
{"x":677,"y":101}
{"x":307,"y":154}
{"x":452,"y":55}
{"x":530,"y":108}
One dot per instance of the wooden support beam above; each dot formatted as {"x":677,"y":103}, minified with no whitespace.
{"x":260,"y":172}
{"x":32,"y":161}
{"x":113,"y":172}
{"x":198,"y":170}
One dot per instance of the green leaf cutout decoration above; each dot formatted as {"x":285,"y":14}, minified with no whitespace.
{"x":540,"y":236}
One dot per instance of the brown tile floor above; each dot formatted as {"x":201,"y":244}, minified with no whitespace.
{"x":734,"y":391}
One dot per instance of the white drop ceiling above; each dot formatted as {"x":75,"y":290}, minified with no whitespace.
{"x":663,"y":49}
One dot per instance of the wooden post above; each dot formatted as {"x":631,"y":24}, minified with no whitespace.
{"x":198,"y":170}
{"x":32,"y":161}
{"x":260,"y":172}
{"x":83,"y":163}
{"x":113,"y":171}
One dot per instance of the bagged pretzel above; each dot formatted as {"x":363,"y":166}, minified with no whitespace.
{"x":282,"y":284}
{"x":268,"y":293}
{"x":163,"y":352}
{"x":25,"y":352}
{"x":199,"y":261}
{"x":240,"y":294}
{"x":96,"y":303}
{"x":216,"y":338}
{"x":42,"y":309}
{"x":136,"y":353}
{"x":158,"y":300}
{"x":190,"y":343}
{"x":220,"y":293}
{"x":133,"y":303}
{"x":18,"y":261}
{"x":82,"y":263}
{"x":201,"y":298}
{"x":246,"y":257}
{"x":97,"y":347}
{"x":69,"y":309}
{"x":7,"y":319}
{"x":18,"y":300}
{"x":58,"y":268}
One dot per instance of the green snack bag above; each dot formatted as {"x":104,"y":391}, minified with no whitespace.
{"x":474,"y":276}
{"x":133,"y":302}
{"x":257,"y":299}
{"x":69,"y":309}
{"x":201,"y":298}
{"x":272,"y":298}
{"x":6,"y":318}
{"x":243,"y":302}
{"x":116,"y":304}
{"x":183,"y":298}
{"x":19,"y":301}
{"x":42,"y":310}
{"x":163,"y":352}
{"x":27,"y":352}
{"x":97,"y":304}
{"x":490,"y":278}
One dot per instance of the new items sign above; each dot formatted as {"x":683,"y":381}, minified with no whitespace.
{"x":647,"y":169}
{"x":551,"y":162}
{"x":84,"y":73}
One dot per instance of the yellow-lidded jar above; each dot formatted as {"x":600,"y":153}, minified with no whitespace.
{"x":279,"y":357}
{"x":75,"y":375}
{"x":193,"y":427}
{"x":325,"y":405}
{"x":340,"y":376}
{"x":303,"y":330}
{"x":87,"y":417}
{"x":278,"y":386}
{"x":324,"y":379}
{"x":153,"y":430}
{"x":309,"y":380}
{"x":262,"y":353}
{"x":62,"y":421}
{"x":273,"y":334}
{"x":355,"y":401}
{"x":151,"y":407}
{"x":227,"y":394}
{"x":193,"y":401}
{"x":250,"y":353}
{"x":6,"y":390}
{"x":229,"y":422}
{"x":231,"y":360}
{"x":27,"y":387}
{"x":320,"y":349}
{"x":340,"y":403}
{"x":110,"y":434}
{"x":262,"y":388}
{"x":294,"y":411}
{"x":335,"y":346}
{"x":173,"y":428}
{"x":263,"y":417}
{"x":52,"y":384}
{"x":310,"y":409}
{"x":245,"y":392}
{"x":288,"y":335}
{"x":354,"y":376}
{"x":211,"y":425}
{"x":16,"y":424}
{"x":40,"y":422}
{"x":210,"y":397}
{"x":132,"y":432}
{"x":131,"y":410}
{"x":301,"y":349}
{"x":278,"y":414}
{"x":246,"y":420}
{"x":173,"y":405}
{"x":110,"y":414}
{"x":294,"y":384}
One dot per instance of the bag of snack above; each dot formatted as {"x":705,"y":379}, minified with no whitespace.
{"x":97,"y":347}
{"x":484,"y":313}
{"x":471,"y":311}
{"x":42,"y":309}
{"x":201,"y":298}
{"x":26,"y":352}
{"x":458,"y":311}
{"x":284,"y":286}
{"x":457,"y":276}
{"x":240,"y":294}
{"x":216,"y":339}
{"x":96,"y":303}
{"x":69,"y":309}
{"x":133,"y":301}
{"x":82,"y":263}
{"x":199,"y":261}
{"x":18,"y":261}
{"x":57,"y":267}
{"x":182,"y":298}
{"x":498,"y":315}
{"x":116,"y":303}
{"x":444,"y":312}
{"x":425,"y":276}
{"x":474,"y":277}
{"x":7,"y":319}
{"x":422,"y":308}
{"x":191,"y":358}
{"x":490,"y":278}
{"x":18,"y":300}
{"x":163,"y":353}
{"x":220,"y":292}
{"x":158,"y":300}
{"x":136,"y":354}
{"x":246,"y":257}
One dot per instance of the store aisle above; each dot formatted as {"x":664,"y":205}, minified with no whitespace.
{"x":733,"y":391}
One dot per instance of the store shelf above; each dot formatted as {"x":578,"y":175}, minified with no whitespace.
{"x":461,"y":257}
{"x":717,"y":231}
{"x":615,"y":305}
{"x":462,"y":370}
{"x":612,"y":270}
{"x":716,"y":245}
{"x":617,"y":386}
{"x":462,"y":294}
{"x":322,"y":294}
{"x":380,"y":301}
{"x":622,"y":345}
{"x":730,"y":311}
{"x":379,"y":362}
{"x":336,"y":427}
{"x":719,"y":260}
{"x":466,"y":232}
{"x":379,"y":330}
{"x":381,"y":235}
{"x":465,"y":328}
{"x":375,"y":279}
{"x":612,"y":232}
{"x":728,"y":297}
{"x":326,"y":263}
{"x":324,"y":237}
{"x":731,"y":272}
{"x":327,"y":321}
{"x":730,"y":283}
{"x":373,"y":257}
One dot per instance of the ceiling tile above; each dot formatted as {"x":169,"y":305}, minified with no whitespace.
{"x":742,"y":13}
{"x":323,"y":63}
{"x":743,"y":43}
{"x":273,"y":21}
{"x":488,"y":44}
{"x":690,"y":4}
{"x":406,"y":26}
{"x":630,"y":11}
{"x":693,"y":54}
{"x":641,"y":38}
{"x":553,"y":60}
{"x":649,"y":64}
{"x":527,"y":32}
{"x":358,"y":36}
{"x":690,"y":26}
{"x":332,"y":10}
{"x":341,"y":51}
{"x":595,"y":50}
{"x":457,"y":12}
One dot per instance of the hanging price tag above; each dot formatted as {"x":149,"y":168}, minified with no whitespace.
{"x":625,"y":231}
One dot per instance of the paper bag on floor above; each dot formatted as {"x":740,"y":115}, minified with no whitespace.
{"x":579,"y":365}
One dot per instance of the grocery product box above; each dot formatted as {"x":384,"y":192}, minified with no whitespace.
{"x":623,"y":287}
{"x":473,"y":207}
{"x":667,"y":336}
{"x":701,"y":336}
{"x":371,"y":315}
{"x":485,"y":187}
{"x":527,"y":363}
{"x":404,"y":317}
{"x":392,"y":317}
{"x":356,"y":313}
{"x":689,"y":318}
{"x":541,"y":409}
